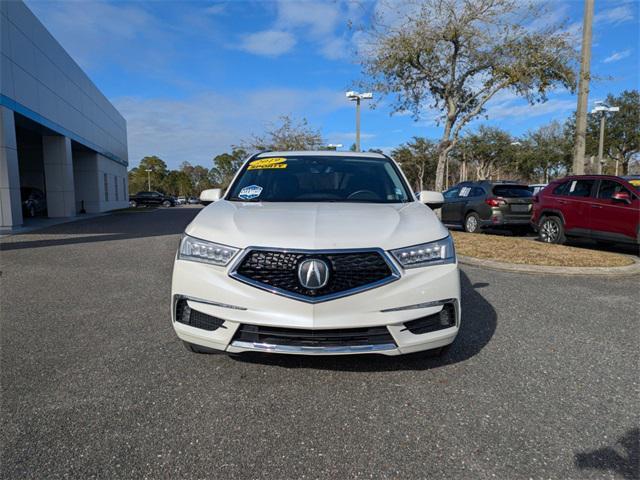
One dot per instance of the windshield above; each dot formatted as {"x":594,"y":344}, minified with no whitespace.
{"x":634,"y":180}
{"x":513,"y":191}
{"x":319,"y":179}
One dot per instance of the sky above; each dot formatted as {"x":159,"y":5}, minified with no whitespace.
{"x":194,"y":78}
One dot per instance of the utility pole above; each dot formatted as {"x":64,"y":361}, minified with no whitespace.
{"x":356,"y":97}
{"x":149,"y":170}
{"x":583,"y":90}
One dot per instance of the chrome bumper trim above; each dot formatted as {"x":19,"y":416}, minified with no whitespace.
{"x":267,"y":347}
{"x":420,"y":305}
{"x":207,"y":302}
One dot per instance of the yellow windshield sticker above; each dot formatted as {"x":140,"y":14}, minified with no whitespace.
{"x":268,"y":163}
{"x":634,"y":182}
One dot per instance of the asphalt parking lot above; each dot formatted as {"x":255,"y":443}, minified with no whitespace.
{"x":540,"y":383}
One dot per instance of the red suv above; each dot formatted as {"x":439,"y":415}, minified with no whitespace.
{"x":602,"y":207}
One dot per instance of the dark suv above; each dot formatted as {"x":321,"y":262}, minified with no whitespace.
{"x":602,"y":207}
{"x":151,"y":198}
{"x":488,"y":204}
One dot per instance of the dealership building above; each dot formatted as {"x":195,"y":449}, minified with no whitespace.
{"x":61,"y":140}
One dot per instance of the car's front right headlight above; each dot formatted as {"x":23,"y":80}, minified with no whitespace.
{"x":432,"y":253}
{"x":197,"y":250}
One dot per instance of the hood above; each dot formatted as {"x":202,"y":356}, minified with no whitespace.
{"x":315,"y":226}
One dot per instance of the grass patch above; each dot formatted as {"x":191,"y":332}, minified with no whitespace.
{"x":528,"y":252}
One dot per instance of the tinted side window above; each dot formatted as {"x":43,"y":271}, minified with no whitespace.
{"x":609,"y":187}
{"x":476,"y":192}
{"x":451,"y":193}
{"x":580,"y":188}
{"x":562,"y":189}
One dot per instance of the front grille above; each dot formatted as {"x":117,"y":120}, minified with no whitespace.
{"x":445,"y":318}
{"x":194,"y":318}
{"x":347,"y":270}
{"x":347,"y":337}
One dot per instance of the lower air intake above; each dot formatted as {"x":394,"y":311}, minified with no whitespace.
{"x":445,"y":318}
{"x":194,"y":318}
{"x":348,"y":337}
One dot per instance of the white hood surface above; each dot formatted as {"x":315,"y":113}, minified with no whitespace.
{"x":315,"y":226}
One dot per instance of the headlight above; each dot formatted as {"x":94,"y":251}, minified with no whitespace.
{"x":432,"y":253}
{"x":207,"y":252}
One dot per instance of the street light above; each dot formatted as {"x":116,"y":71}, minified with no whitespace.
{"x":149,"y":170}
{"x":356,"y":97}
{"x":602,"y":109}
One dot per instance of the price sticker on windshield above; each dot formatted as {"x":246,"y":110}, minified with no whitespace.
{"x":268,"y":164}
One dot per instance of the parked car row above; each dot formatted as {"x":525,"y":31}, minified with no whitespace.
{"x":160,"y":199}
{"x":601,"y":207}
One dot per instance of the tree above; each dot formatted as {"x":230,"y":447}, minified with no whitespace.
{"x":199,"y":177}
{"x":456,"y":56}
{"x":139,"y":177}
{"x":418,"y":160}
{"x":489,"y":150}
{"x":226,"y":165}
{"x":287,"y":136}
{"x":546,"y":153}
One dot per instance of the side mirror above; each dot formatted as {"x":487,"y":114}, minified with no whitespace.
{"x":621,"y":197}
{"x":210,"y":196}
{"x":431,"y":199}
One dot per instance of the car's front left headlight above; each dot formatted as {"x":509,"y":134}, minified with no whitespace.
{"x":198,"y":250}
{"x":432,"y":253}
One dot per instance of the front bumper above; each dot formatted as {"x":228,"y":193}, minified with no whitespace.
{"x":418,"y":293}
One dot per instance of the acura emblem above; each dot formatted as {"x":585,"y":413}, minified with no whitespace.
{"x":313,"y":273}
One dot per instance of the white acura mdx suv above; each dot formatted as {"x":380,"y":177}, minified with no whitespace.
{"x":317,"y":253}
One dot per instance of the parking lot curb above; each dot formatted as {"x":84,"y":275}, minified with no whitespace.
{"x":633,"y":269}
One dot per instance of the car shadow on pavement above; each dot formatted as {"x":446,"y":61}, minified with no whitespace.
{"x":116,"y":226}
{"x":623,"y":458}
{"x":478,"y":326}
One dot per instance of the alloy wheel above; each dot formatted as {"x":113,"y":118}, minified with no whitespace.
{"x":472,"y":224}
{"x":550,"y":231}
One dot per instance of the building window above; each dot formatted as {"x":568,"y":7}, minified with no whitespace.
{"x":115,"y":184}
{"x":106,"y":187}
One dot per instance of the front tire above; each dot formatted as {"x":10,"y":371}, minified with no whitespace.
{"x":472,"y":223}
{"x":166,"y":204}
{"x":133,"y":203}
{"x":552,"y":230}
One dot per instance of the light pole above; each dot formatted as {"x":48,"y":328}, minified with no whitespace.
{"x":602,"y":109}
{"x":149,"y":170}
{"x":356,"y":97}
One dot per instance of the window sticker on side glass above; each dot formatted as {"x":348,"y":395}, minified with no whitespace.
{"x":250,"y":192}
{"x":268,"y":163}
{"x":573,"y":186}
{"x":464,"y":192}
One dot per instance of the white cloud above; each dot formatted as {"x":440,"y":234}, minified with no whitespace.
{"x":318,"y":18}
{"x":197,"y":128}
{"x":101,"y":31}
{"x":509,"y":105}
{"x":349,"y":137}
{"x":615,"y":16}
{"x":216,"y":9}
{"x":615,"y":56}
{"x":270,"y":43}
